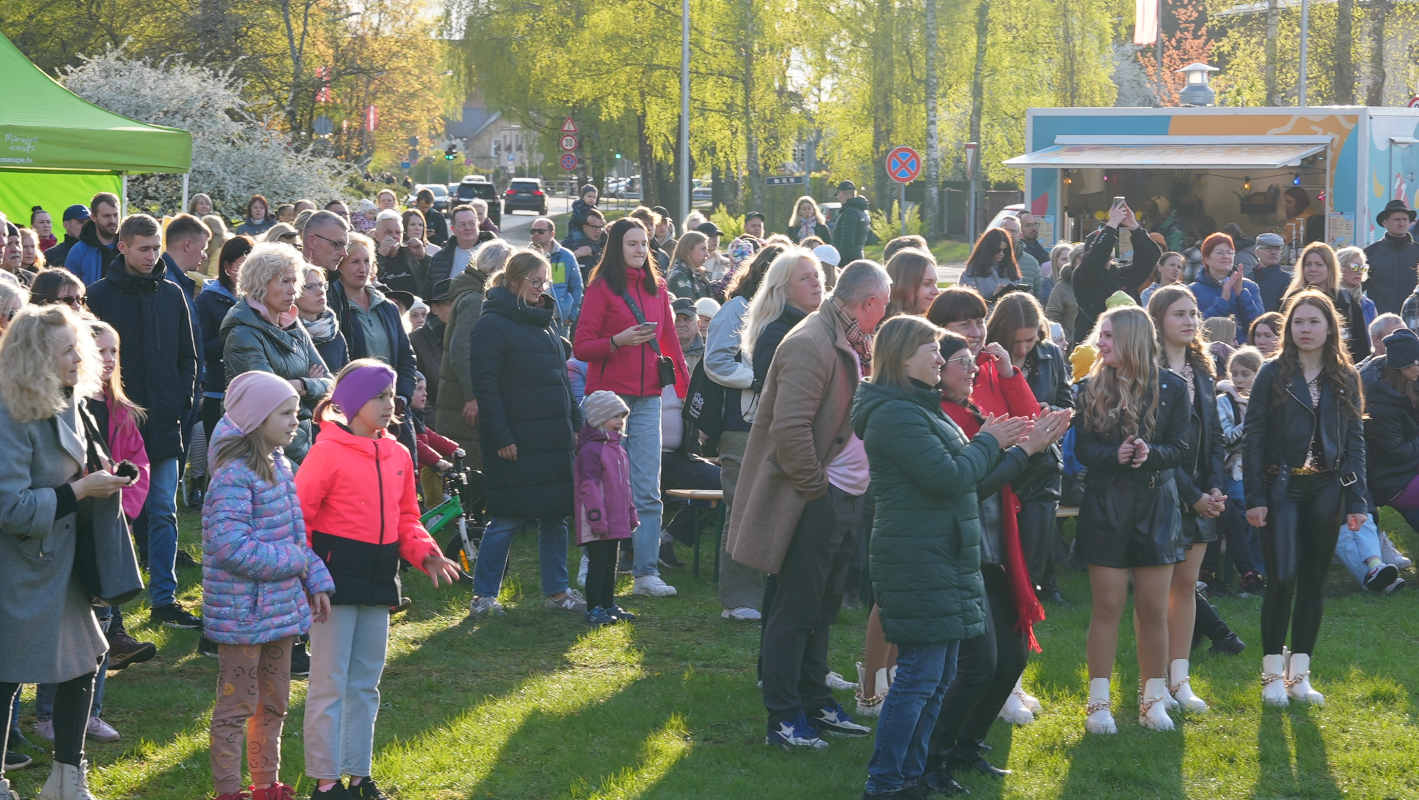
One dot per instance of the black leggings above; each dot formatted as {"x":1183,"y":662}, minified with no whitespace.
{"x":1297,"y":544}
{"x":986,"y":671}
{"x":72,"y":701}
{"x":601,"y":573}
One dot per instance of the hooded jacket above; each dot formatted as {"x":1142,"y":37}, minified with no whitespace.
{"x":1231,"y":416}
{"x":254,"y":345}
{"x":604,"y":508}
{"x":1097,"y":277}
{"x":1391,"y":435}
{"x":466,"y":293}
{"x":850,"y":232}
{"x":88,"y":257}
{"x":361,"y":512}
{"x":159,"y":354}
{"x":925,"y":547}
{"x":631,"y":370}
{"x":519,"y":373}
{"x":257,"y":565}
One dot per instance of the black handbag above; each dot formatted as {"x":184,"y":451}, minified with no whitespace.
{"x":704,"y":405}
{"x":665,"y":367}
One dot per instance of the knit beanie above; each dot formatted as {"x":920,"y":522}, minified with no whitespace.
{"x":1082,"y":359}
{"x":251,"y":397}
{"x":359,"y":386}
{"x":1401,"y":349}
{"x":602,"y":407}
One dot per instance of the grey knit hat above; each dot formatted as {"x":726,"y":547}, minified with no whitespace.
{"x":602,"y":407}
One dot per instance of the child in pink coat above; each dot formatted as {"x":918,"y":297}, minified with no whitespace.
{"x":604,"y":511}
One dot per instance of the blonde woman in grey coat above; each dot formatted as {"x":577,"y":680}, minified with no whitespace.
{"x":50,"y":633}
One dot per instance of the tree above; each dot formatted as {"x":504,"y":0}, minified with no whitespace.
{"x":234,"y":154}
{"x":1186,"y":43}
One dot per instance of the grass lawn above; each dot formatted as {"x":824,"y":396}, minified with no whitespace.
{"x":535,"y":706}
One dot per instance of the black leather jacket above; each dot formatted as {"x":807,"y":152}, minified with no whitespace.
{"x":1278,"y":436}
{"x":1201,"y":468}
{"x":1049,"y":380}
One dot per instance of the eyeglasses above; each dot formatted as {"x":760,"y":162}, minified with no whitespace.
{"x":339,"y":246}
{"x":963,"y":361}
{"x":538,"y":283}
{"x":540,"y":231}
{"x":597,"y":227}
{"x":313,"y":287}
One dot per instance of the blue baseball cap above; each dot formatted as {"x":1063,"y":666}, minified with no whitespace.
{"x":79,"y":212}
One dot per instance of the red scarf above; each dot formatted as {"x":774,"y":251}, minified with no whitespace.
{"x":1027,"y":605}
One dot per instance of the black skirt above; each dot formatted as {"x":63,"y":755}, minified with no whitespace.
{"x":1131,"y":519}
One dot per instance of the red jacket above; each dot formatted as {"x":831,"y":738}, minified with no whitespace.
{"x":362,"y":513}
{"x":627,"y":370}
{"x":433,"y":448}
{"x":993,"y":394}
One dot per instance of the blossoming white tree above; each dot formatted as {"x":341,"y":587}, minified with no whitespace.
{"x":234,"y":154}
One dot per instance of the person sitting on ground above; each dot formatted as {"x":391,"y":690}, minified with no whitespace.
{"x":1392,"y":431}
{"x":681,"y":466}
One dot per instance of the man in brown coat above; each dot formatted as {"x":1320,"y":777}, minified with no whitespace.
{"x":800,"y":502}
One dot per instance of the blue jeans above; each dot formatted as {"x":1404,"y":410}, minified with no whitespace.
{"x":497,"y":543}
{"x":909,"y":715}
{"x":347,"y":654}
{"x":1353,"y":547}
{"x":44,"y":692}
{"x":642,"y":444}
{"x":161,"y":511}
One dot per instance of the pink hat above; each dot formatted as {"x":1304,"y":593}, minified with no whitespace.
{"x":251,"y":397}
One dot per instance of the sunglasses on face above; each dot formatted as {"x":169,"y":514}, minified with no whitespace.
{"x":74,"y":301}
{"x":540,"y":231}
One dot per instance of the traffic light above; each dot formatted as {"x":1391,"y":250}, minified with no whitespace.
{"x":449,"y":153}
{"x":618,"y":156}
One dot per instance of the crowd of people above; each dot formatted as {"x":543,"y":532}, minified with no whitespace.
{"x":308,"y":378}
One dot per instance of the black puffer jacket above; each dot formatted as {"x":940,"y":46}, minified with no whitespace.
{"x":519,"y":372}
{"x":1391,"y":435}
{"x":159,"y":353}
{"x":767,"y":344}
{"x":1278,"y":434}
{"x":1097,"y":276}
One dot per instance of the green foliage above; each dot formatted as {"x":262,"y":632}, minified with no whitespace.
{"x":731,"y":224}
{"x":888,"y":226}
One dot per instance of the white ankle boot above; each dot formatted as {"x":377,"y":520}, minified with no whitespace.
{"x":66,"y":782}
{"x":1098,"y":719}
{"x":1273,"y":680}
{"x":870,"y":706}
{"x":1298,"y":680}
{"x":1181,"y":689}
{"x":1020,"y":708}
{"x":1153,"y":707}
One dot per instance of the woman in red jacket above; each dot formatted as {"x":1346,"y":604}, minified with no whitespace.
{"x":626,"y":334}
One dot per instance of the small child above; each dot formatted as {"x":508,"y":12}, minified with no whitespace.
{"x":1232,"y":396}
{"x":604,"y":513}
{"x":356,"y":488}
{"x":261,"y":584}
{"x":434,"y":450}
{"x":582,"y":206}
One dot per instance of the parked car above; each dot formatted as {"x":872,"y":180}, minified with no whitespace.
{"x":483,"y":190}
{"x":440,"y":194}
{"x":526,"y":194}
{"x":831,"y":210}
{"x":1012,"y":210}
{"x":702,"y":194}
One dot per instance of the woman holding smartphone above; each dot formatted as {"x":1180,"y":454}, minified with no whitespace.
{"x":1303,"y":467}
{"x":626,"y":334}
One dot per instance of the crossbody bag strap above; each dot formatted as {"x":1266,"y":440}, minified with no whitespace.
{"x":640,"y":318}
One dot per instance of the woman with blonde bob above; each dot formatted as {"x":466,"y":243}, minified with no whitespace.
{"x":808,"y":220}
{"x":263,"y":333}
{"x":47,"y":365}
{"x":1131,"y":431}
{"x":926,"y":533}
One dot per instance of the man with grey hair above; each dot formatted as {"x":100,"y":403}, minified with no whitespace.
{"x":402,"y":267}
{"x":325,"y":238}
{"x":1270,"y":277}
{"x":1380,"y":327}
{"x":799,"y":501}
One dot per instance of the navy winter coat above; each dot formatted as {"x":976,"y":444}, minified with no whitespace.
{"x":519,"y":372}
{"x":212,"y":307}
{"x":157,"y":355}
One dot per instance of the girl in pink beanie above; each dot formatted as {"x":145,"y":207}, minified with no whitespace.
{"x":262,"y":585}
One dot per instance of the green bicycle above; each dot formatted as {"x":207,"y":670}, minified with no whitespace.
{"x":452,"y":514}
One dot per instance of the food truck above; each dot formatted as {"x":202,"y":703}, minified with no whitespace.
{"x":1314,"y":173}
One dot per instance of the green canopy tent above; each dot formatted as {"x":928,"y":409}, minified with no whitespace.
{"x":57,"y":149}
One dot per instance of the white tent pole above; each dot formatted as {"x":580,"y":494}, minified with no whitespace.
{"x":185,"y":176}
{"x":123,"y":199}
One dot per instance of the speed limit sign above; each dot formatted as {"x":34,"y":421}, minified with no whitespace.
{"x":569,"y":142}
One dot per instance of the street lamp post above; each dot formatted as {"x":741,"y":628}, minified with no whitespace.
{"x":684,"y":108}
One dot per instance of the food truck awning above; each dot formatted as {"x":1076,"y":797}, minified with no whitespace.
{"x":1173,"y":152}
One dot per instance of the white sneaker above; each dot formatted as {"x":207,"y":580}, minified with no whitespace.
{"x":1391,"y":554}
{"x":571,"y":602}
{"x":741,"y":613}
{"x":838,"y":683}
{"x":101,"y":731}
{"x":1180,"y":687}
{"x":869,"y":706}
{"x":1031,"y":702}
{"x":581,"y":571}
{"x":653,"y":586}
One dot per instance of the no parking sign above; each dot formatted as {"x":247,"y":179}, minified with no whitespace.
{"x":903,"y":164}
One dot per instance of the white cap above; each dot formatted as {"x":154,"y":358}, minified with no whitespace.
{"x":706,"y":307}
{"x":827,"y":254}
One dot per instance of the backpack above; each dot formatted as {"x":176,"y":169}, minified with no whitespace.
{"x":704,"y":406}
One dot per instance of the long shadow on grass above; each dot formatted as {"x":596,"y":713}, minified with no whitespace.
{"x":1309,"y":776}
{"x":1133,"y":763}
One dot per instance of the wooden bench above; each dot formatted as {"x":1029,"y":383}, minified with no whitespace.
{"x":1067,"y":511}
{"x":712,"y":499}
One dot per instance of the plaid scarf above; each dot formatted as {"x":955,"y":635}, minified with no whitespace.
{"x":861,"y":342}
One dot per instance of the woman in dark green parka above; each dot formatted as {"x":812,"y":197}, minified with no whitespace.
{"x":925,"y":553}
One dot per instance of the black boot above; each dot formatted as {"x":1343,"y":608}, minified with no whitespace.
{"x":1210,"y":624}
